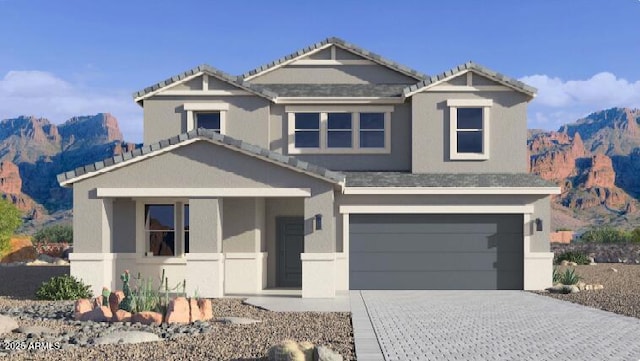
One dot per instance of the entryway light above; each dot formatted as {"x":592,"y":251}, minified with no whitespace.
{"x":318,"y":222}
{"x":538,"y":224}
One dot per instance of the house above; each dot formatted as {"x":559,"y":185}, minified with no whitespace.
{"x":330,"y":169}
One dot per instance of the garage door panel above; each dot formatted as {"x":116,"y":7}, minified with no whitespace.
{"x":425,"y":251}
{"x":420,"y":242}
{"x":412,"y":261}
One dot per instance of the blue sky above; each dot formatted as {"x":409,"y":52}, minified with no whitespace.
{"x":74,"y":57}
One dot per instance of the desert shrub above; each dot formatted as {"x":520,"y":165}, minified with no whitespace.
{"x":605,"y":235}
{"x":635,"y":235}
{"x":10,"y":220}
{"x":51,"y":249}
{"x":573,"y":256}
{"x":64,"y":287}
{"x":569,"y":277}
{"x":59,"y":233}
{"x":556,"y":275}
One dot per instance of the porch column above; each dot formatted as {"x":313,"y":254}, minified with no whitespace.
{"x":205,"y":260}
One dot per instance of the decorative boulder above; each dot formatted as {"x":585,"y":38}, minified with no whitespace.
{"x":206,"y":310}
{"x":178,"y":311}
{"x":121,"y":316}
{"x":124,"y":337}
{"x":96,"y":302}
{"x":147,"y":318}
{"x":194,"y":310}
{"x":287,"y":350}
{"x":7,"y":324}
{"x":114,"y":300}
{"x":99,"y":314}
{"x":81,"y":307}
{"x":323,"y":353}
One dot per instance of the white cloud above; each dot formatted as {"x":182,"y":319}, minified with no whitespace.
{"x":43,"y":94}
{"x":564,"y":101}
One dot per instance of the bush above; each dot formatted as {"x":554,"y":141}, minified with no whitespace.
{"x":635,"y":235}
{"x":63,"y":288}
{"x":573,"y":256}
{"x":606,"y":235}
{"x":569,"y":277}
{"x":59,"y":233}
{"x":556,"y":275}
{"x":10,"y":220}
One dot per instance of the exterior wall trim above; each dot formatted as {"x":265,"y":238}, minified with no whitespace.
{"x":203,"y":93}
{"x":452,"y":190}
{"x":339,"y":100}
{"x":202,"y":192}
{"x":438,"y":209}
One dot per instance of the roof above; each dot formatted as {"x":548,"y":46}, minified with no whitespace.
{"x":448,"y":180}
{"x":342,"y":44}
{"x":108,"y":164}
{"x":334,"y":90}
{"x":203,"y":69}
{"x":500,"y":78}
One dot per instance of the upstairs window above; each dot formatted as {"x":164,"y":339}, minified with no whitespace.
{"x":307,"y":130}
{"x":207,"y":116}
{"x":372,"y":130}
{"x":339,"y":130}
{"x":469,"y":127}
{"x":208,"y":120}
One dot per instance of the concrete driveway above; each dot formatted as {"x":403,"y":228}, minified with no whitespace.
{"x":486,"y":325}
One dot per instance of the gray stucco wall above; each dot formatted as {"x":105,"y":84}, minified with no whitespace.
{"x":205,"y":217}
{"x":201,"y":164}
{"x":124,"y":226}
{"x":277,"y":207}
{"x":398,"y":160}
{"x":508,"y":134}
{"x":243,"y":224}
{"x":246,"y":119}
{"x":339,"y":74}
{"x":540,"y":239}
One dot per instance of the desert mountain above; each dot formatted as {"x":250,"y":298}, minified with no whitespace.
{"x":33,"y":150}
{"x":595,"y":161}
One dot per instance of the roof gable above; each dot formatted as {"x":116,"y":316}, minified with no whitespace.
{"x":318,"y":49}
{"x":191,"y":74}
{"x":140,"y":154}
{"x":454,"y":73}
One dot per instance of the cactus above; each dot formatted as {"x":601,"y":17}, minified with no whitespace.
{"x":127,"y":302}
{"x":289,"y":350}
{"x":105,"y":296}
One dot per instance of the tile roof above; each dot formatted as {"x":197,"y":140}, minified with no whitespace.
{"x":516,"y":84}
{"x":334,"y":90}
{"x":406,"y":179}
{"x":341,"y":43}
{"x":208,"y":69}
{"x":225,"y":140}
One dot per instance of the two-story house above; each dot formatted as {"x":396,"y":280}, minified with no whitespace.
{"x":329,"y":169}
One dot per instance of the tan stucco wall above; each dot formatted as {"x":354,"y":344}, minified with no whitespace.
{"x":124,"y":226}
{"x":243,"y":224}
{"x":339,"y":74}
{"x":508,"y":134}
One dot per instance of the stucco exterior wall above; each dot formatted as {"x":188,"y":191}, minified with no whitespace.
{"x":540,"y":239}
{"x":246,"y":119}
{"x":124,"y":226}
{"x":338,"y":74}
{"x":243,"y":224}
{"x":508,"y":134}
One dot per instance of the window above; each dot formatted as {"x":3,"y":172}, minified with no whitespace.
{"x":186,"y":228}
{"x":159,"y":221}
{"x":307,"y":130}
{"x":339,"y":129}
{"x":469,"y":126}
{"x":372,"y":130}
{"x":209,"y":120}
{"x":339,"y":133}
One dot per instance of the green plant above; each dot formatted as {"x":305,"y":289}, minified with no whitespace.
{"x":59,"y":233}
{"x":635,"y":235}
{"x":105,"y":296}
{"x":569,"y":277}
{"x":606,"y":235}
{"x":562,"y":229}
{"x":145,"y":296}
{"x":64,"y":287}
{"x":573,"y":256}
{"x":127,"y":303}
{"x":10,"y":220}
{"x":556,"y":275}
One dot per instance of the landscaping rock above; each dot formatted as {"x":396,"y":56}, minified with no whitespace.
{"x":613,"y":269}
{"x":114,"y":300}
{"x":178,"y":311}
{"x":147,"y":318}
{"x":124,"y":337}
{"x":81,"y":307}
{"x":66,"y":252}
{"x":194,"y":310}
{"x":35,"y":330}
{"x":323,"y":353}
{"x":237,"y":320}
{"x":96,"y":302}
{"x":287,"y":350}
{"x":570,"y":289}
{"x":206,"y":309}
{"x":45,"y":258}
{"x":99,"y":314}
{"x":7,"y":324}
{"x":60,"y":262}
{"x":581,"y":286}
{"x":598,"y":287}
{"x":121,"y":316}
{"x":557,"y":288}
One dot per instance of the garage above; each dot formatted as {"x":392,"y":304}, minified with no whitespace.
{"x":436,"y":251}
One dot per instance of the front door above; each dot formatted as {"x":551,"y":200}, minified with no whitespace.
{"x":290,"y":243}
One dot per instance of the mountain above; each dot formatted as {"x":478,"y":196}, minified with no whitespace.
{"x":34,"y":150}
{"x":596,"y":162}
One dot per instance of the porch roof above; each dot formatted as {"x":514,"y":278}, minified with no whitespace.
{"x":94,"y":169}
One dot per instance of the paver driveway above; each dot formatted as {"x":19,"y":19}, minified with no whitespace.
{"x":486,"y":325}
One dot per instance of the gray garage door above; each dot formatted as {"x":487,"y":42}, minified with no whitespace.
{"x":420,"y":251}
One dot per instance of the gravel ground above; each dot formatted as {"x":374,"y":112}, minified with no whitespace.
{"x":621,"y":289}
{"x":206,"y":340}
